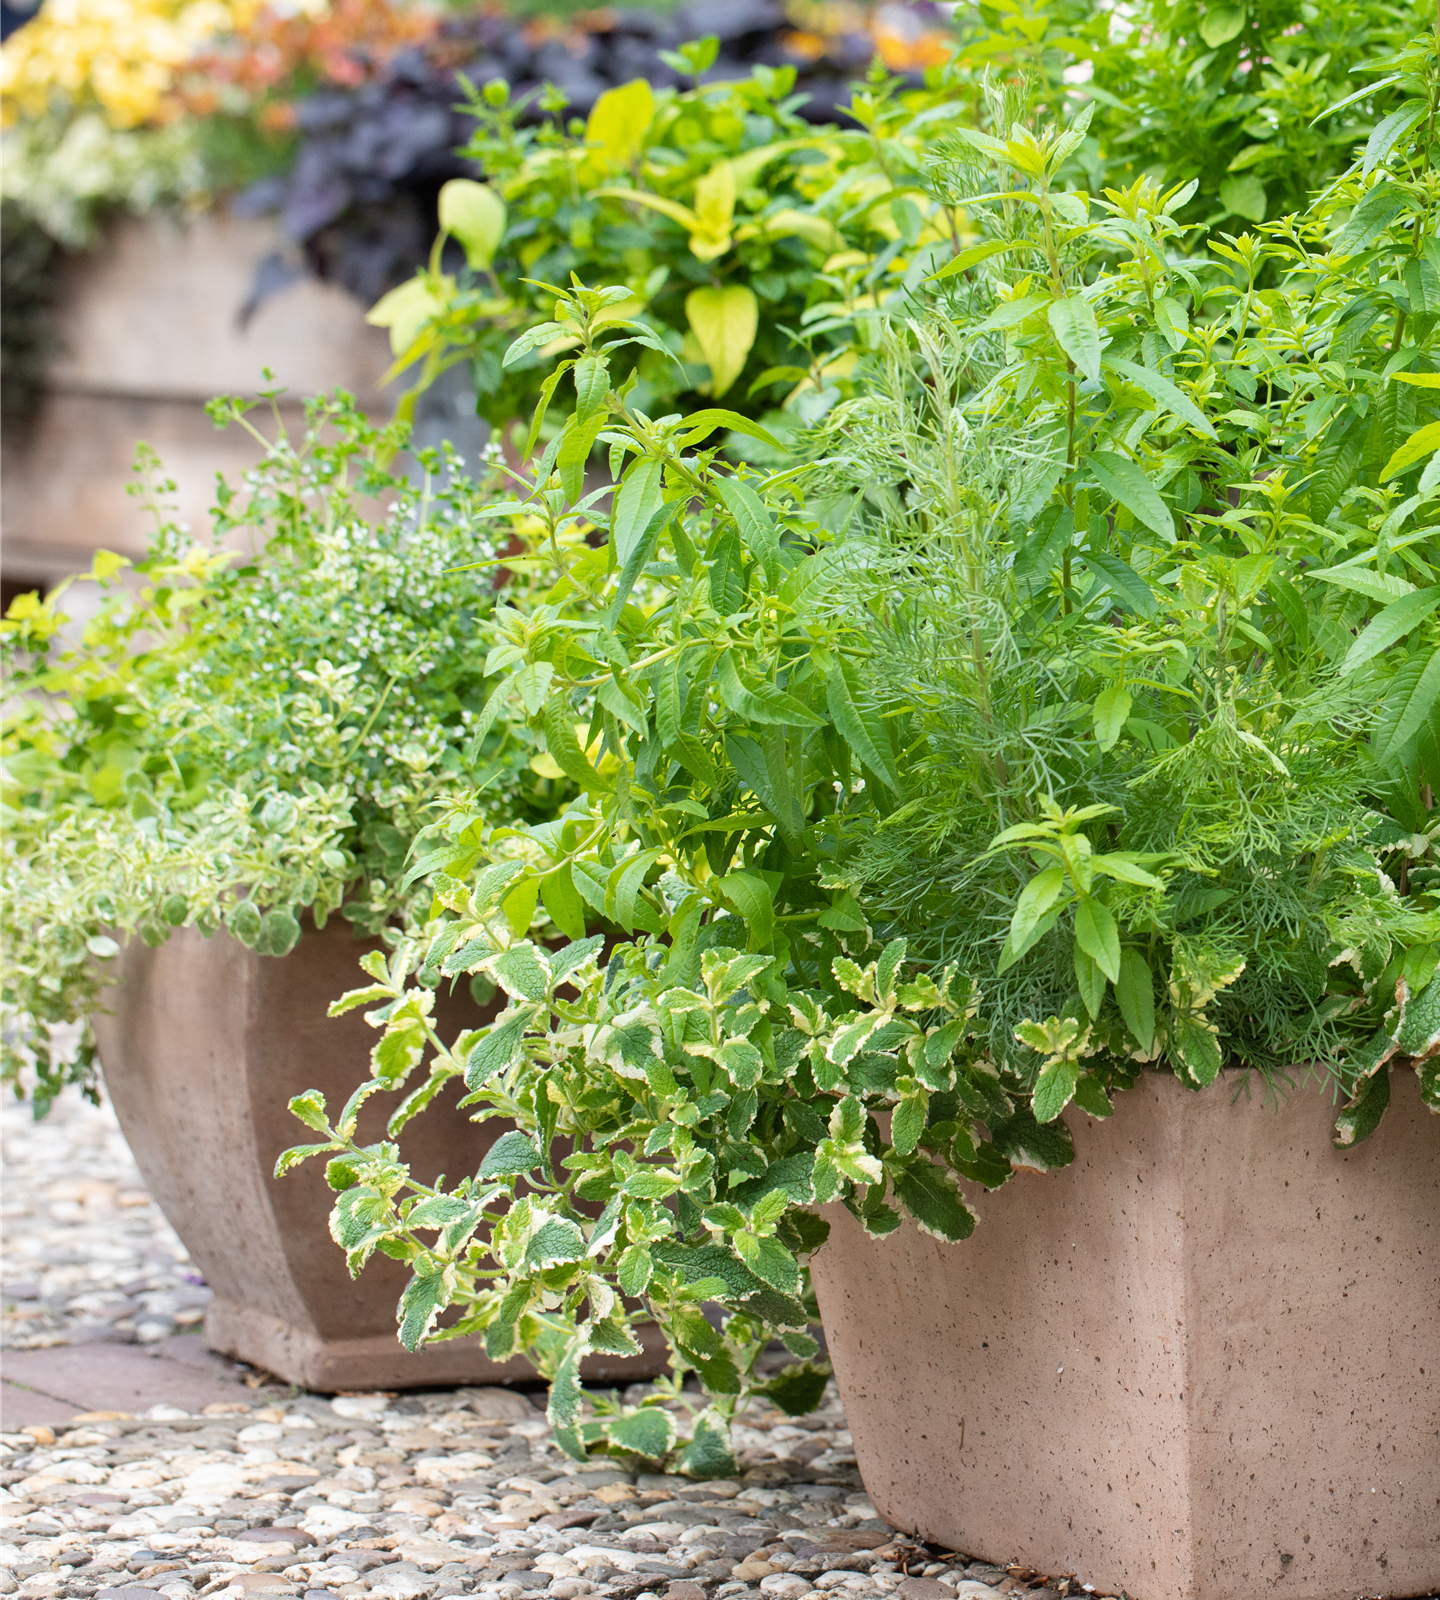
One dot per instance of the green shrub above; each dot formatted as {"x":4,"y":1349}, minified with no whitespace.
{"x":763,"y":251}
{"x":232,"y":740}
{"x":1070,"y":710}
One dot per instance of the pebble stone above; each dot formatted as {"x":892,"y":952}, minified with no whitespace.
{"x":417,"y":1497}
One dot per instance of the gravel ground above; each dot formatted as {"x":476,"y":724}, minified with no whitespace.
{"x":87,"y":1257}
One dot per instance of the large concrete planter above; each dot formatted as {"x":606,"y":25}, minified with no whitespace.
{"x":204,"y":1044}
{"x":149,"y":329}
{"x":1203,"y":1362}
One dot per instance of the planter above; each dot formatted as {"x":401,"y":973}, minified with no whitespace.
{"x":204,"y":1045}
{"x":148,"y":327}
{"x":1202,"y":1362}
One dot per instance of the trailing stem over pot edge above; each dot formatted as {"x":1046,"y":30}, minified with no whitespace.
{"x":1070,"y":710}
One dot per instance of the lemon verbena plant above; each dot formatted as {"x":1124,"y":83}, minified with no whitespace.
{"x":1070,"y":710}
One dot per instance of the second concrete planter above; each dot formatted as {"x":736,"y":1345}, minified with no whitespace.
{"x":204,"y":1045}
{"x":1202,"y":1362}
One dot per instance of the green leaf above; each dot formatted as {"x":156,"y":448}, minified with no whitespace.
{"x":1135,"y":992}
{"x":1380,"y":207}
{"x":310,"y":1108}
{"x":648,"y":1432}
{"x":1197,"y":1049}
{"x":511,"y":1154}
{"x":633,"y":1270}
{"x":638,"y":498}
{"x":797,"y":1389}
{"x":1220,"y":24}
{"x":1245,"y":196}
{"x":424,"y":1298}
{"x":1054,"y":1090}
{"x":554,"y":1241}
{"x":298,"y":1153}
{"x":475,"y":215}
{"x":1388,"y":132}
{"x":496,"y":1050}
{"x":1362,"y":1115}
{"x":1098,"y":935}
{"x":1090,"y":1096}
{"x":757,"y":526}
{"x":1419,"y":445}
{"x":1389,"y":626}
{"x":865,"y":736}
{"x":618,"y":123}
{"x":564,"y":747}
{"x":1128,"y":587}
{"x":971,"y":258}
{"x":567,"y":1399}
{"x":563,"y":902}
{"x":908,"y":1123}
{"x":708,"y":1455}
{"x":750,"y":894}
{"x":1036,"y":898}
{"x":1072,"y":320}
{"x":701,"y":424}
{"x":1112,"y":707}
{"x":1124,"y":480}
{"x":1164,"y":393}
{"x":932,"y":1197}
{"x":1414,"y":710}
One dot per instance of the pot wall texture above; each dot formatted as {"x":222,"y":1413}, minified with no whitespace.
{"x":1201,"y":1363}
{"x":204,"y":1044}
{"x":149,"y":329}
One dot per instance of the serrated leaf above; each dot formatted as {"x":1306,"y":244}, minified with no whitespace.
{"x":496,"y":1050}
{"x":797,"y":1389}
{"x":1135,"y":992}
{"x":1126,"y":481}
{"x":648,"y":1432}
{"x":1389,"y":626}
{"x":1164,"y":393}
{"x":708,"y":1455}
{"x":932,"y":1197}
{"x":1098,"y":935}
{"x":424,"y":1298}
{"x":1362,"y":1115}
{"x":1054,"y":1090}
{"x":511,"y":1154}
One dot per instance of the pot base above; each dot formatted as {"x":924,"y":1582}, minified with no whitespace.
{"x":203,"y":1046}
{"x":300,"y":1356}
{"x":1200,"y":1363}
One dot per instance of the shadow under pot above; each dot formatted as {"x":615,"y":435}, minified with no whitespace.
{"x":204,"y":1044}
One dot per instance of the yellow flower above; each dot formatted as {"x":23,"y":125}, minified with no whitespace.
{"x":122,"y":55}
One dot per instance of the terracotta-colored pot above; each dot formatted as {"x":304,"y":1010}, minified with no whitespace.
{"x":1202,"y":1362}
{"x":204,"y":1044}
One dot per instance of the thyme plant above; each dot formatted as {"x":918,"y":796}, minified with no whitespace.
{"x":1071,"y":711}
{"x":248,"y":728}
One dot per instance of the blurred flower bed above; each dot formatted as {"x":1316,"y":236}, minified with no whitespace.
{"x":340,"y":114}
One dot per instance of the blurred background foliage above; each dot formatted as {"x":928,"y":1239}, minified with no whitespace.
{"x":346,"y":116}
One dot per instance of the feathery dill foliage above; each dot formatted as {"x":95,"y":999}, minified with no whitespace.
{"x":246,"y":728}
{"x":1073,"y":708}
